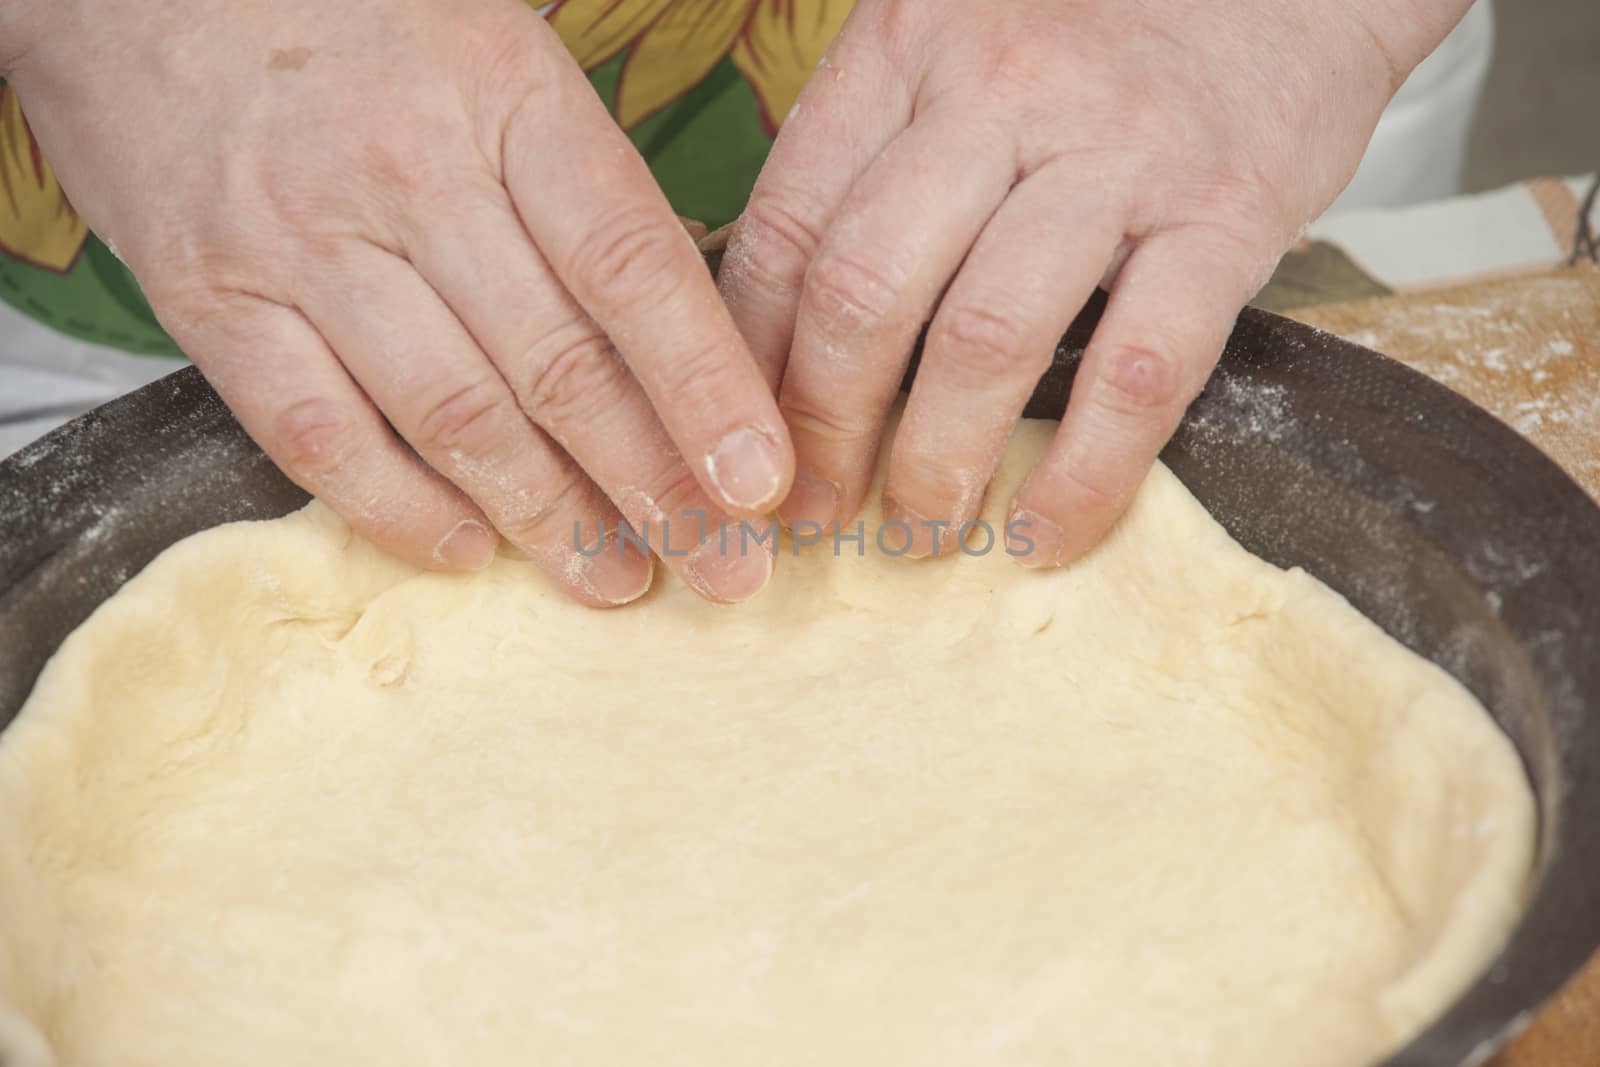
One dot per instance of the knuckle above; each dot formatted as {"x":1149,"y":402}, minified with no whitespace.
{"x":202,"y":284}
{"x":809,"y":417}
{"x":775,"y":238}
{"x":314,"y":437}
{"x":450,"y":200}
{"x":570,"y":376}
{"x":978,"y":343}
{"x":935,"y":486}
{"x":1030,"y":49}
{"x":1241,"y":196}
{"x":1016,"y":62}
{"x":695,"y":370}
{"x":634,"y":253}
{"x":509,"y":73}
{"x":539,"y":521}
{"x":844,"y":291}
{"x":676,"y":494}
{"x":399,"y":164}
{"x":1140,"y":380}
{"x":1093,"y":488}
{"x":1240,"y":245}
{"x":420,"y":155}
{"x":901,"y":20}
{"x":463,"y":420}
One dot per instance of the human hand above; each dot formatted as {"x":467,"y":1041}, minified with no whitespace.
{"x":996,"y":162}
{"x":419,"y":212}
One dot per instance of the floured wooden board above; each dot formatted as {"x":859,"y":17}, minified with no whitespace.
{"x":1528,"y":350}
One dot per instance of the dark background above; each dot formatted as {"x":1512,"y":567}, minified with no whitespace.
{"x":1540,"y":113}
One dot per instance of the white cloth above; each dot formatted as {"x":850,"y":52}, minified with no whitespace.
{"x":47,"y":377}
{"x":1419,"y":150}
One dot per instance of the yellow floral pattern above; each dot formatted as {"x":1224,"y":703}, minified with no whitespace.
{"x":673,"y":44}
{"x":37,"y":224}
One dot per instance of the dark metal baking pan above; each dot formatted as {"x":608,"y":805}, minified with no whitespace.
{"x":1434,"y":519}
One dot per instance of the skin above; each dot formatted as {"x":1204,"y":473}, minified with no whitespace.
{"x":353,"y":213}
{"x":408,"y":246}
{"x":1015,"y":156}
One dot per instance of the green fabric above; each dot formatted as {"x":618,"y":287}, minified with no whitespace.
{"x":705,"y":149}
{"x":97,"y":300}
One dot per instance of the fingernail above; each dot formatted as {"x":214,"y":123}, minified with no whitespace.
{"x":746,"y":469}
{"x":1033,"y":539}
{"x":616,"y":576}
{"x":812,"y":498}
{"x":729,"y":574}
{"x":921,"y":541}
{"x":469,"y":546}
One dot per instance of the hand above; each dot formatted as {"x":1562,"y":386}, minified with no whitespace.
{"x":995,"y":162}
{"x":417,"y":211}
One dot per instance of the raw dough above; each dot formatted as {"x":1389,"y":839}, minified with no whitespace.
{"x":285,"y":800}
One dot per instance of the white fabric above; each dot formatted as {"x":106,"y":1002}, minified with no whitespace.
{"x":58,"y":377}
{"x":1418,"y":152}
{"x":1467,"y":238}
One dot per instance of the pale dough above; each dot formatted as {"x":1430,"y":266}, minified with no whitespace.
{"x":286,"y":801}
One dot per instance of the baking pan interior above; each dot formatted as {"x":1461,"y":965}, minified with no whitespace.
{"x":1435,"y":520}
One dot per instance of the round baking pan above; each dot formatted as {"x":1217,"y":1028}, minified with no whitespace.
{"x":1438,"y":522}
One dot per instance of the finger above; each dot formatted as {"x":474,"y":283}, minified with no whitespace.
{"x":286,"y":387}
{"x":422,"y":368}
{"x":1169,"y":316}
{"x":893,"y":246}
{"x":565,"y":375}
{"x":827,"y":141}
{"x":602,"y":223}
{"x":994,"y":334}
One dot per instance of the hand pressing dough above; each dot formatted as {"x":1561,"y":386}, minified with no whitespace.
{"x":286,"y":800}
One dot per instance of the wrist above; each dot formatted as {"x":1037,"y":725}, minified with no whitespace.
{"x":1405,"y":32}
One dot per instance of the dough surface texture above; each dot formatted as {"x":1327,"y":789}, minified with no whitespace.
{"x":286,"y":800}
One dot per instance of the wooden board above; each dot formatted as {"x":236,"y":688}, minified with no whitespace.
{"x":1528,"y":350}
